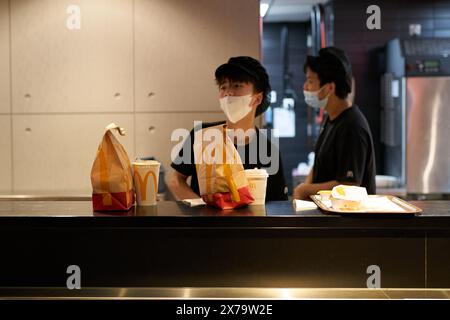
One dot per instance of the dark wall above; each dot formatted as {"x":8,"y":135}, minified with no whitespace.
{"x":365,"y":47}
{"x":293,"y":150}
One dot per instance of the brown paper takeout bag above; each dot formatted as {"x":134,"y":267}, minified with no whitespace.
{"x":111,"y":174}
{"x":220,"y":172}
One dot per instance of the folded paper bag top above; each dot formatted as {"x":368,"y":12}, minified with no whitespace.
{"x":111,"y":174}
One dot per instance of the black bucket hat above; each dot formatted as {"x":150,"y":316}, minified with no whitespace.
{"x":251,"y":69}
{"x":333,"y":65}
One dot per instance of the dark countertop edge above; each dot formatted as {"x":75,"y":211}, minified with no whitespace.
{"x":276,"y":215}
{"x":429,"y":223}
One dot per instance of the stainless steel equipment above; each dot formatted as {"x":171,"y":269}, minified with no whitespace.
{"x":416,"y":115}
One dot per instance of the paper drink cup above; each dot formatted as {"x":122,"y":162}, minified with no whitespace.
{"x":146,"y":176}
{"x":257,"y":181}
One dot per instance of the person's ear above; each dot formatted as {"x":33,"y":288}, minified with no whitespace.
{"x":258,"y":99}
{"x":332,"y":88}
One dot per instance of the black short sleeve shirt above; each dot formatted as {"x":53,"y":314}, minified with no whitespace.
{"x":344,"y":151}
{"x":276,"y":185}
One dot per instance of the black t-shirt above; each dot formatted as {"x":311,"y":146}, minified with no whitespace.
{"x":344,"y":151}
{"x":276,"y":185}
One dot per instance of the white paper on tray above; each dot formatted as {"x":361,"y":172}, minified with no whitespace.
{"x":194,"y":202}
{"x":380,"y":204}
{"x":375,"y":204}
{"x":327,"y":203}
{"x":301,"y":205}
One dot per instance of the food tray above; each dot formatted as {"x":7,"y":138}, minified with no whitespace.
{"x":375,"y":204}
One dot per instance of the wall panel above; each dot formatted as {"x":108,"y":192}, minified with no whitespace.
{"x":5,"y":153}
{"x":56,"y":152}
{"x":154,"y":130}
{"x":56,"y":69}
{"x":5,"y":104}
{"x":179,"y":46}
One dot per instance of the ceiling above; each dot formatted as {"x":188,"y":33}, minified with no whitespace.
{"x":289,"y":10}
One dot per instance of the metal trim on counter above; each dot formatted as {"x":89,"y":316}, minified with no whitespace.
{"x":52,"y":197}
{"x":218,"y":293}
{"x":26,"y":197}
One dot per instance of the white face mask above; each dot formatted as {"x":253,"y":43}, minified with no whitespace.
{"x":236,"y":108}
{"x":312,"y":99}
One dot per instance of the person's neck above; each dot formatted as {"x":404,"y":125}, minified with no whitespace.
{"x":244,"y":124}
{"x":336,"y":106}
{"x":248,"y":122}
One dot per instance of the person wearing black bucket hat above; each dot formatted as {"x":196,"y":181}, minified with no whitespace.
{"x":344,"y":151}
{"x":244,"y":94}
{"x":246,"y":70}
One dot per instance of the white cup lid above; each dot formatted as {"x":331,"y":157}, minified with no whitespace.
{"x":146,"y":163}
{"x":256,"y":173}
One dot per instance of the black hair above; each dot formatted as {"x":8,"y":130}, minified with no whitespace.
{"x":248,"y":70}
{"x":332,"y":65}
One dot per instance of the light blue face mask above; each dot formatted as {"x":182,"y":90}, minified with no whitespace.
{"x":312,"y":99}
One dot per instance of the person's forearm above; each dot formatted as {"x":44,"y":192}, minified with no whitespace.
{"x":181,"y":190}
{"x":313,"y":188}
{"x":309,"y":177}
{"x":185,"y":192}
{"x":316,"y":187}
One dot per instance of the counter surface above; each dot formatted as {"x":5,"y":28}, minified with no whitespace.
{"x":435,"y":216}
